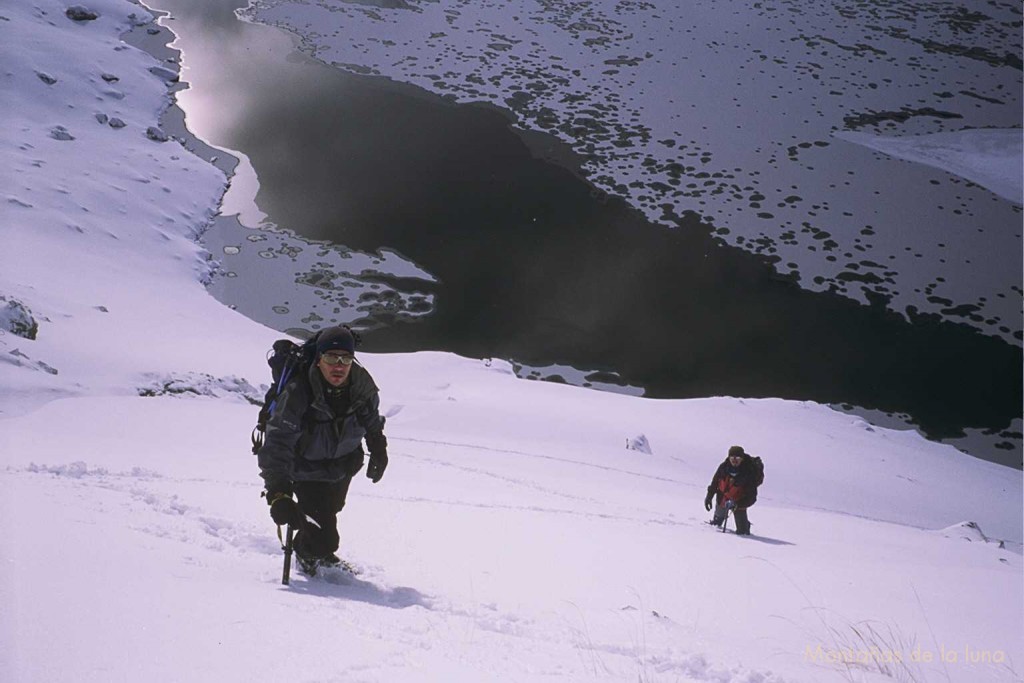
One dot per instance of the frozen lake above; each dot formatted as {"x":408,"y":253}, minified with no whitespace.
{"x":434,"y":220}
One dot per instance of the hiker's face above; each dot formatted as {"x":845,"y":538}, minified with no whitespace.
{"x":335,"y":367}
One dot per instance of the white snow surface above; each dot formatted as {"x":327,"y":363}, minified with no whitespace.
{"x":514,"y":537}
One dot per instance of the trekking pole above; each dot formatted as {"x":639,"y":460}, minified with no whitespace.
{"x":725,"y":523}
{"x":286,"y":574}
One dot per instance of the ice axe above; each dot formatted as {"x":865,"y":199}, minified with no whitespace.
{"x":286,"y":574}
{"x":287,"y":546}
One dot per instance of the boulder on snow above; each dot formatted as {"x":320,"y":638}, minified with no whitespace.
{"x":193,"y":384}
{"x":639,"y":443}
{"x":164,"y":74}
{"x":156,"y":135}
{"x":17,"y":358}
{"x":17,"y":319}
{"x":46,"y":78}
{"x":80,"y":13}
{"x":116,"y":123}
{"x":102,"y":118}
{"x":110,"y":78}
{"x":61,"y":133}
{"x":140,"y":20}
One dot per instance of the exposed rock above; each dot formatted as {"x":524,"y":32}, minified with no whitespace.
{"x":46,"y":78}
{"x":17,"y":358}
{"x":193,"y":384}
{"x":45,"y":367}
{"x":117,"y":123}
{"x":152,"y":31}
{"x":156,"y":135}
{"x":61,"y":133}
{"x":80,"y":13}
{"x":110,"y":78}
{"x":164,"y":74}
{"x":17,"y":319}
{"x":102,"y":118}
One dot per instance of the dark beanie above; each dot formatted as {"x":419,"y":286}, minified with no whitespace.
{"x":737,"y":450}
{"x":335,"y":339}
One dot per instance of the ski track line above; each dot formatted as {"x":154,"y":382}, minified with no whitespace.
{"x":100,"y":478}
{"x":78,"y":471}
{"x":541,"y":457}
{"x":524,"y":483}
{"x":245,"y":539}
{"x":659,"y":520}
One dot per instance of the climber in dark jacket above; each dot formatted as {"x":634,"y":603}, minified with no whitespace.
{"x":314,"y":446}
{"x":734,"y":487}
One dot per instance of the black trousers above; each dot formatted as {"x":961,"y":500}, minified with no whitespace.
{"x":321,"y":501}
{"x":742,"y":521}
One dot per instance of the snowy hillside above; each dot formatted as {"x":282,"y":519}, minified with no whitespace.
{"x":514,"y":537}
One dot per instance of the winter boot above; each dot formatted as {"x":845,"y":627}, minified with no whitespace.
{"x":331,"y":560}
{"x":308,"y":563}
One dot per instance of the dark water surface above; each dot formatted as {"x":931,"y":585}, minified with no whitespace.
{"x":533,"y":265}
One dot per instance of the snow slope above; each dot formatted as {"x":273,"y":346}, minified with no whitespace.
{"x":514,"y":537}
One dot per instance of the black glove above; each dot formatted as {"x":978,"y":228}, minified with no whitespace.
{"x":284,"y":511}
{"x":378,"y":463}
{"x":378,"y":445}
{"x":707,"y":502}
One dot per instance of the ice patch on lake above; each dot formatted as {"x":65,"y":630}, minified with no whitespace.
{"x":990,"y":158}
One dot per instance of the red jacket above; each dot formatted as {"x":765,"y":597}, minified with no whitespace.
{"x":735,"y":484}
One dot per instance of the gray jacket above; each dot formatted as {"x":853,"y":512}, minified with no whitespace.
{"x":306,"y":441}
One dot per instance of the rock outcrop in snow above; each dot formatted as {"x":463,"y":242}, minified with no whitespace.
{"x":16,"y":318}
{"x":80,"y":13}
{"x":201,"y":384}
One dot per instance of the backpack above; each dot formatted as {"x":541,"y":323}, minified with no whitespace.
{"x":758,"y":465}
{"x":286,"y":360}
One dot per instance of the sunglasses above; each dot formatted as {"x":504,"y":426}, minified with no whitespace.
{"x":336,"y":359}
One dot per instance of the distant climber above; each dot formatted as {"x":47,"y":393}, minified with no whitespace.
{"x":734,"y":487}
